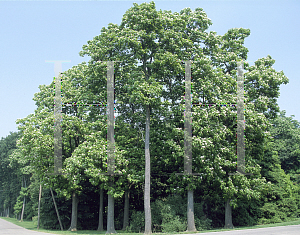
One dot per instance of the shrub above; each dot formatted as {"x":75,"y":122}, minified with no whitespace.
{"x":34,"y":220}
{"x":169,"y":215}
{"x":170,"y":221}
{"x":203,"y":223}
{"x":174,"y":224}
{"x":137,"y":222}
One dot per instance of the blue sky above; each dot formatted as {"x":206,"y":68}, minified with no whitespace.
{"x":35,"y":31}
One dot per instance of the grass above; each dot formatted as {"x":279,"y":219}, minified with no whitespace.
{"x":32,"y":226}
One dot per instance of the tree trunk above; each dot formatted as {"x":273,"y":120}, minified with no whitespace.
{"x":110,"y":144}
{"x":23,"y":208}
{"x":190,"y":212}
{"x":39,"y":207}
{"x":188,"y":138}
{"x":110,"y":215}
{"x":100,"y":225}
{"x":228,"y":215}
{"x":58,"y":217}
{"x":126,"y":210}
{"x":147,"y":175}
{"x":75,"y":202}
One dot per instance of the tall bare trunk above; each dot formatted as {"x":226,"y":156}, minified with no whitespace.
{"x":190,"y":212}
{"x":188,"y":162}
{"x":74,"y":216}
{"x":147,"y":176}
{"x":126,"y":210}
{"x":23,"y":208}
{"x":110,"y":144}
{"x":228,"y":215}
{"x":110,"y":216}
{"x":100,"y":225}
{"x":39,"y":207}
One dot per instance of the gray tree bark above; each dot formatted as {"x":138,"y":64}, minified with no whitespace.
{"x":39,"y":207}
{"x":147,"y":176}
{"x":75,"y":201}
{"x":100,"y":225}
{"x":228,"y":215}
{"x":110,"y":144}
{"x":190,"y":212}
{"x":23,"y":208}
{"x":126,"y":210}
{"x":188,"y":146}
{"x":110,"y":216}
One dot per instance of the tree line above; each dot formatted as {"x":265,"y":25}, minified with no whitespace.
{"x":146,"y":193}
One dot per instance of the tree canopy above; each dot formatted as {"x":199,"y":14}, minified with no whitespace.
{"x":150,"y":49}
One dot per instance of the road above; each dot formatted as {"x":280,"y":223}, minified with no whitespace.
{"x":10,"y":228}
{"x":279,"y":230}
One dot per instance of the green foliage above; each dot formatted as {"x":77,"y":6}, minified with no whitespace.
{"x":18,"y":205}
{"x":137,"y":222}
{"x":286,"y":136}
{"x":35,"y":220}
{"x":173,"y":224}
{"x":146,"y":41}
{"x":10,"y":174}
{"x":165,"y":218}
{"x":271,"y":214}
{"x":169,"y":215}
{"x":28,"y":212}
{"x":49,"y":218}
{"x":247,"y":212}
{"x":203,"y":223}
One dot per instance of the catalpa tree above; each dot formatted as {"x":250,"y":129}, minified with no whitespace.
{"x":150,"y":46}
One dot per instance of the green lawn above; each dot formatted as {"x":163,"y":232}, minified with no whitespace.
{"x":32,"y":226}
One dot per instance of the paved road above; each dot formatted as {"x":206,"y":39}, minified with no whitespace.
{"x":279,"y":230}
{"x":10,"y":228}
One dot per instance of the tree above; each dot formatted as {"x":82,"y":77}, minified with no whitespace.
{"x":286,"y":134}
{"x":10,"y":175}
{"x":225,"y":51}
{"x":150,"y":106}
{"x":95,"y":123}
{"x":36,"y":143}
{"x":282,"y":199}
{"x":150,"y":38}
{"x":90,"y":160}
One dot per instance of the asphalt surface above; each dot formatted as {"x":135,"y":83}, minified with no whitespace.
{"x":279,"y":230}
{"x":10,"y":228}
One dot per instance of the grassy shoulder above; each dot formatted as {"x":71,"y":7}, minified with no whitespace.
{"x":32,"y":226}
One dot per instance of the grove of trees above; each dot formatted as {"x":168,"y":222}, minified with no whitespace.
{"x":146,"y":194}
